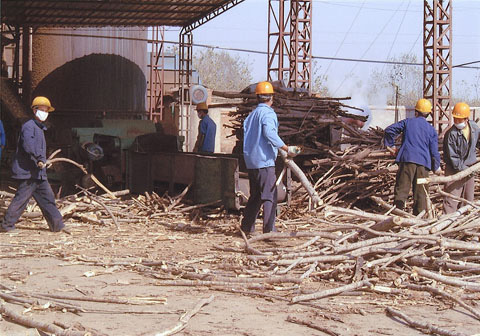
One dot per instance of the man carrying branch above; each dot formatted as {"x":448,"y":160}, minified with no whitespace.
{"x":417,"y":155}
{"x":260,"y":148}
{"x":459,"y":152}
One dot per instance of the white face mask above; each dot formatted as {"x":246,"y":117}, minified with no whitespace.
{"x":460,"y":125}
{"x":41,"y":115}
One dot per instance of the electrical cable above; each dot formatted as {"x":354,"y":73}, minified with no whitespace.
{"x":396,"y":35}
{"x":260,"y":52}
{"x":344,"y":37}
{"x":367,"y":50}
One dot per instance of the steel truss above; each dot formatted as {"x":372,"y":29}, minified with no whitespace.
{"x":437,"y":60}
{"x":216,"y":12}
{"x":289,"y":52}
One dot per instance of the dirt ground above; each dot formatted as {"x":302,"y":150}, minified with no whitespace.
{"x":96,"y":261}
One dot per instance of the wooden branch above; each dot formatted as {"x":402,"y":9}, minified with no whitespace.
{"x":424,"y":326}
{"x":303,"y":179}
{"x":31,"y":323}
{"x":472,"y":286}
{"x":312,"y":325}
{"x":436,"y":291}
{"x":450,"y":178}
{"x":183,"y":321}
{"x":330,"y":292}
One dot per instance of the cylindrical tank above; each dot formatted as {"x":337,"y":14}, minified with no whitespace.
{"x":84,"y":73}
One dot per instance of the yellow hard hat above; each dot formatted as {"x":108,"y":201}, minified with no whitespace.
{"x":461,"y":111}
{"x":202,"y":106}
{"x":423,"y":105}
{"x":42,"y":101}
{"x":264,"y":88}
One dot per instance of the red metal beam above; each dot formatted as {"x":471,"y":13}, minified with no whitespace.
{"x":289,"y":52}
{"x":437,"y":60}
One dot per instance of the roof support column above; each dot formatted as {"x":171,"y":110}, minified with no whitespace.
{"x":185,"y":76}
{"x":157,"y":74}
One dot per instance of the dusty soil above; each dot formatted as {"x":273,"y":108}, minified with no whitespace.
{"x":96,"y":261}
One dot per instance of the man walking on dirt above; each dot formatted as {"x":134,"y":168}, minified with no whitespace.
{"x":417,"y":155}
{"x":459,"y":153}
{"x":260,"y":148}
{"x":29,"y":168}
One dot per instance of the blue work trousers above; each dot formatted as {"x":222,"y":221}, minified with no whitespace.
{"x":263,"y":191}
{"x":43,"y":195}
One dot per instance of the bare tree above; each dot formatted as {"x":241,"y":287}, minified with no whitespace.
{"x":219,"y":70}
{"x":319,"y":81}
{"x":408,"y":79}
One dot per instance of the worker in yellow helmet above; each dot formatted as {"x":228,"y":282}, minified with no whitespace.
{"x":417,"y":155}
{"x":207,"y":129}
{"x":260,"y":148}
{"x":29,"y":167}
{"x":459,"y":153}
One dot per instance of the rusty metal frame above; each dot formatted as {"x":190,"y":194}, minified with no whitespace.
{"x":197,"y":22}
{"x":290,"y":52}
{"x":437,"y":60}
{"x":277,"y":46}
{"x":157,"y":74}
{"x":300,"y":44}
{"x":184,"y":77}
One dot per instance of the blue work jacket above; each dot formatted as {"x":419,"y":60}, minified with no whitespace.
{"x":2,"y":137}
{"x":419,"y":142}
{"x":31,"y":149}
{"x":260,"y":139}
{"x":208,"y":128}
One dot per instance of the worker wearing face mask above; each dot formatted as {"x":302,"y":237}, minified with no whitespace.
{"x":459,"y":146}
{"x":29,"y":168}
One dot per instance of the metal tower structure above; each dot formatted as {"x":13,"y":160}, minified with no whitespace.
{"x":437,"y":60}
{"x":289,"y":51}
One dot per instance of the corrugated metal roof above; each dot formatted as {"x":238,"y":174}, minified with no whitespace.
{"x":57,"y":13}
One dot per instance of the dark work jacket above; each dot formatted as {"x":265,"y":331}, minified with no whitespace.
{"x":458,"y":153}
{"x":419,"y":142}
{"x":31,"y":149}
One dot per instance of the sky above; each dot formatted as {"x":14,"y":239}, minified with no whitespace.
{"x":362,"y":29}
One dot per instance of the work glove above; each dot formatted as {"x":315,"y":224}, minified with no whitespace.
{"x":439,"y":171}
{"x":293,"y":151}
{"x":41,"y":164}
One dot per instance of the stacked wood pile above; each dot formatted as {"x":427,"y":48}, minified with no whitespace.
{"x":362,"y":174}
{"x":304,"y":120}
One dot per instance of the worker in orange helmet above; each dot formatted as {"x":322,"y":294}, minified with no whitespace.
{"x":260,"y":148}
{"x":207,"y":129}
{"x":459,"y":153}
{"x":417,"y":155}
{"x":29,"y":167}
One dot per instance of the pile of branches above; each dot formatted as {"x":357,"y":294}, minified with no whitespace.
{"x":354,"y":253}
{"x":119,"y":208}
{"x":304,"y":120}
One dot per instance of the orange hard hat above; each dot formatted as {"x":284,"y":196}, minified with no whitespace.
{"x":461,"y":111}
{"x":424,"y":106}
{"x":202,"y":106}
{"x":264,"y":88}
{"x":42,"y":101}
